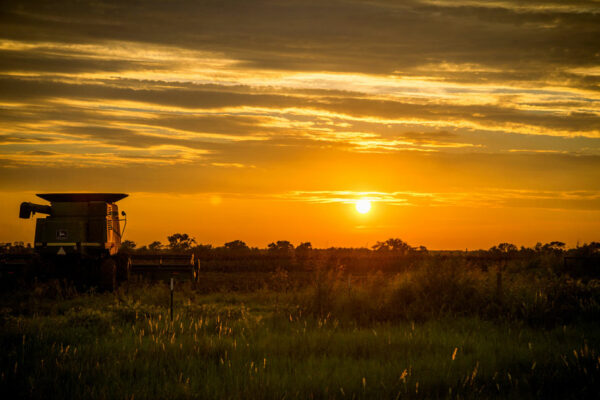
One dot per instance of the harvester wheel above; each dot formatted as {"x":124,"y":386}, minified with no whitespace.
{"x":123,"y":267}
{"x":108,"y":274}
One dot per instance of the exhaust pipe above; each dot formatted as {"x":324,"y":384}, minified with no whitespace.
{"x":27,"y":209}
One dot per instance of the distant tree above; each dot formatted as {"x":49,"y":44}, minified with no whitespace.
{"x":380,"y":246}
{"x":305,"y":246}
{"x":128,"y":245}
{"x":281,"y":247}
{"x":236,"y":245}
{"x":554,"y":247}
{"x":303,"y":250}
{"x":587,"y":250}
{"x":527,"y":251}
{"x":504,"y":248}
{"x":422,"y":249}
{"x":594,"y":247}
{"x":180,"y":241}
{"x":155,"y":246}
{"x":394,"y":245}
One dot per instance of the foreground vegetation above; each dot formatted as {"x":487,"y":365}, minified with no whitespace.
{"x":437,"y":331}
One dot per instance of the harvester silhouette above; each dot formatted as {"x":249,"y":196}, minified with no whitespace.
{"x":79,"y":240}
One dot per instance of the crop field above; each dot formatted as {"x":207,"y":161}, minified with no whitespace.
{"x":437,"y":331}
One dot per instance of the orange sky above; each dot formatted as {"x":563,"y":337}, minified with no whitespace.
{"x":467,"y":123}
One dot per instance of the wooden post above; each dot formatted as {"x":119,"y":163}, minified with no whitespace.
{"x":499,"y":280}
{"x":171,"y":299}
{"x":499,"y":284}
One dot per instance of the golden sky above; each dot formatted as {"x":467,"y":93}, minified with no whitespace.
{"x":466,"y":123}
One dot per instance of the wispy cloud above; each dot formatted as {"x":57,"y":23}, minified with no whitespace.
{"x":484,"y":198}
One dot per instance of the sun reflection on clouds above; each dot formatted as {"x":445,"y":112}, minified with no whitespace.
{"x":485,"y":198}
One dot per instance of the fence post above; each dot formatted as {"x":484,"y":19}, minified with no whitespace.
{"x":171,"y":299}
{"x":501,"y":268}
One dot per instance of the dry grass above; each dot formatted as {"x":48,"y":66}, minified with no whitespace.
{"x":436,"y":332}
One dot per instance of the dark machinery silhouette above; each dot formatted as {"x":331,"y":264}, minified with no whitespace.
{"x":80,"y":238}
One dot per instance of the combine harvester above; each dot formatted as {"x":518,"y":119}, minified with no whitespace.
{"x":80,"y":239}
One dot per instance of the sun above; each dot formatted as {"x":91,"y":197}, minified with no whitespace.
{"x":363,"y":206}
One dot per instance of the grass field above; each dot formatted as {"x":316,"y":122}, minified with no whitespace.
{"x":418,"y":335}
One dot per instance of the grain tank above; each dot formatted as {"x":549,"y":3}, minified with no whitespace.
{"x":79,"y":238}
{"x":77,"y":223}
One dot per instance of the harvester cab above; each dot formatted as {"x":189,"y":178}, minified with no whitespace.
{"x":84,"y":223}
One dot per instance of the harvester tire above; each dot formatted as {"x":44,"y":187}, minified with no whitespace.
{"x":108,"y":274}
{"x":123,"y":267}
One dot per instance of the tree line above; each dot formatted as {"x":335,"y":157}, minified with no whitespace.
{"x":185,"y":243}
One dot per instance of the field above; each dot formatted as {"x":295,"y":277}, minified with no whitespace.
{"x":439,"y":330}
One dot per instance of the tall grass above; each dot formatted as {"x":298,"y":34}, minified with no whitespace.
{"x":447,"y":289}
{"x":439,"y":331}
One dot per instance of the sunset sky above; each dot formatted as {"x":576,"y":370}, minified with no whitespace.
{"x":466,"y":123}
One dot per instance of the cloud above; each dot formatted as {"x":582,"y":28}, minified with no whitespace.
{"x":488,"y":198}
{"x":297,"y":94}
{"x":364,"y":36}
{"x":231,"y":165}
{"x":41,"y":153}
{"x":8,"y":139}
{"x":252,"y":103}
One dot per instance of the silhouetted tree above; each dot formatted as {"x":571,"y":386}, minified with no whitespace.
{"x":236,"y":245}
{"x":304,"y":246}
{"x":538,"y":247}
{"x":504,"y":248}
{"x":282,"y":248}
{"x":303,"y":250}
{"x":587,"y":250}
{"x":128,"y":245}
{"x":380,"y":246}
{"x":180,"y":241}
{"x":155,"y":246}
{"x":281,"y":245}
{"x":554,"y":247}
{"x":394,"y":245}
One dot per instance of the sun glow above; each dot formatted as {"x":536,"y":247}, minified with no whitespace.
{"x":363,"y":206}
